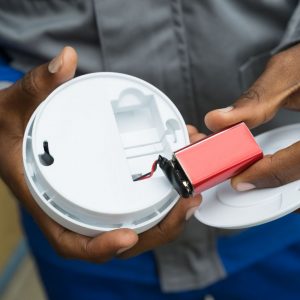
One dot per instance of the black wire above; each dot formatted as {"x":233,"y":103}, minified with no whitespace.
{"x":142,"y":176}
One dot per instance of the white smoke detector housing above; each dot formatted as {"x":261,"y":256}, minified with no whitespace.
{"x":86,"y":143}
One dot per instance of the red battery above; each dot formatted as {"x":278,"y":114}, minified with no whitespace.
{"x":218,"y":157}
{"x":204,"y":164}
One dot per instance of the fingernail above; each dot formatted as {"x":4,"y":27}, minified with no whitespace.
{"x":244,"y":186}
{"x":190,"y":212}
{"x":123,"y":250}
{"x":56,"y":63}
{"x":226,"y":109}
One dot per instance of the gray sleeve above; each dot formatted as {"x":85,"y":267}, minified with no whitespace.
{"x":292,"y":33}
{"x":255,"y":65}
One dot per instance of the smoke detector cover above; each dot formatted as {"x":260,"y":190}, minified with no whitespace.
{"x":86,"y":143}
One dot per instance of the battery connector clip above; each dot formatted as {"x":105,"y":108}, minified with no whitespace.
{"x":176,"y":176}
{"x":174,"y":173}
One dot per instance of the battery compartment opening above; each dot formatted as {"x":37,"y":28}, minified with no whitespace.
{"x":144,"y":132}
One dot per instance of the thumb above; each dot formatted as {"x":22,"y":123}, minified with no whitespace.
{"x":271,"y":171}
{"x":272,"y":90}
{"x":249,"y":108}
{"x":38,"y":83}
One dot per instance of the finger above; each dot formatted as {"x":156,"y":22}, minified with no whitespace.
{"x":167,"y":230}
{"x":271,"y":171}
{"x":272,"y":90}
{"x":36,"y":85}
{"x":42,"y":80}
{"x":197,"y":137}
{"x":251,"y":108}
{"x":98,"y":249}
{"x":194,"y":134}
{"x":191,"y":129}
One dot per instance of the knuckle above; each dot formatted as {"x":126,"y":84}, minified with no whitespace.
{"x":263,"y":110}
{"x":251,"y":94}
{"x":28,"y":84}
{"x":89,"y":254}
{"x":255,"y":94}
{"x":276,"y":176}
{"x":166,"y":234}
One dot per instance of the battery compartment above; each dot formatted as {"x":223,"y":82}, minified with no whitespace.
{"x":144,"y":131}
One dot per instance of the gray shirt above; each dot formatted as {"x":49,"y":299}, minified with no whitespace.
{"x":202,"y":54}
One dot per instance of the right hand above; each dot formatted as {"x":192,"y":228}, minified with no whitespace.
{"x":277,"y":87}
{"x":17,"y":103}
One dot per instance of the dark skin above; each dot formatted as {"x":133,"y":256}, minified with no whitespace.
{"x":278,"y":87}
{"x":17,"y":103}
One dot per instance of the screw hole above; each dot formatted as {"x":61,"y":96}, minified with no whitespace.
{"x":46,"y":158}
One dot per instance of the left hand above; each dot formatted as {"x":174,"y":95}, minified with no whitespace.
{"x":278,"y":87}
{"x":17,"y":103}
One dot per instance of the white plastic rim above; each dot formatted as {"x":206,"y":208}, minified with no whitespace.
{"x":102,"y":130}
{"x":225,"y":208}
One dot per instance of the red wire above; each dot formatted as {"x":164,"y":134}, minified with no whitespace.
{"x":150,"y":174}
{"x":154,"y":167}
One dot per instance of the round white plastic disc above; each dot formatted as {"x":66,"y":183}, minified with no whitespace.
{"x":225,"y":208}
{"x":86,"y":143}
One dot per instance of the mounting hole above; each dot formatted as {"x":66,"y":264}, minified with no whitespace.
{"x":46,"y":159}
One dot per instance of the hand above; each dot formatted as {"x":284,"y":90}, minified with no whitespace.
{"x":194,"y":134}
{"x":17,"y":103}
{"x":278,"y":87}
